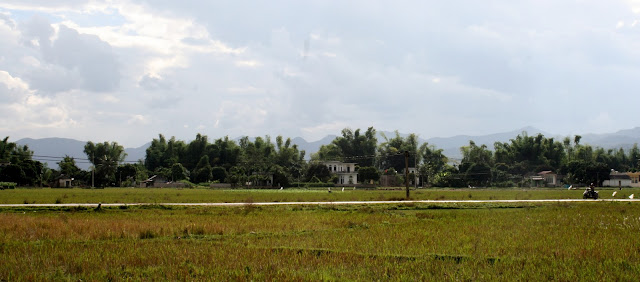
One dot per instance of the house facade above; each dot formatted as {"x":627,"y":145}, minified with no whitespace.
{"x":618,"y":179}
{"x":635,"y":178}
{"x":346,"y":172}
{"x":156,"y":181}
{"x":545,"y":179}
{"x":63,"y":181}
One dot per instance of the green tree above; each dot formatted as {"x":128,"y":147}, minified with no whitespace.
{"x":329,"y":152}
{"x":391,"y":152}
{"x":224,"y":152}
{"x":179,"y":172}
{"x":288,"y":162}
{"x":126,"y":174}
{"x":195,"y":151}
{"x":319,"y":171}
{"x":352,"y":146}
{"x":219,"y":174}
{"x":163,"y":153}
{"x":236,"y":176}
{"x":202,"y":172}
{"x":528,"y":154}
{"x":433,"y":161}
{"x":355,"y":147}
{"x":12,"y":173}
{"x":6,"y":149}
{"x":476,"y":164}
{"x":634,"y":158}
{"x":368,"y":173}
{"x":68,"y":167}
{"x":257,"y":158}
{"x":21,"y":168}
{"x":105,"y":158}
{"x":585,"y":172}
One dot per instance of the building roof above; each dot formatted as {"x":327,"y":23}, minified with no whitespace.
{"x":618,"y":175}
{"x":151,"y":179}
{"x":339,"y":162}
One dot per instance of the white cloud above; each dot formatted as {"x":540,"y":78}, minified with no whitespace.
{"x":138,"y":120}
{"x":166,"y":41}
{"x":13,"y":84}
{"x":247,"y":89}
{"x":318,"y":131}
{"x":600,"y":122}
{"x":283,"y":68}
{"x":329,"y":54}
{"x":24,"y":110}
{"x":635,"y":5}
{"x":110,"y":99}
{"x":248,"y":63}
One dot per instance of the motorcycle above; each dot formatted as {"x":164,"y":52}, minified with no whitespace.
{"x":588,"y":194}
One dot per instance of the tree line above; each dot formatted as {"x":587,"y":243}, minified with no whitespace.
{"x":265,"y":162}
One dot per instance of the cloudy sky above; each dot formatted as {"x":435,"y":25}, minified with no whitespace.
{"x":127,"y":70}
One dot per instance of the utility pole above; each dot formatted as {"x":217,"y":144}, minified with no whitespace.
{"x":93,"y":172}
{"x":406,"y":171}
{"x":416,"y":174}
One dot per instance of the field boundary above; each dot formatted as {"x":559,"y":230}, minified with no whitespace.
{"x":319,"y":203}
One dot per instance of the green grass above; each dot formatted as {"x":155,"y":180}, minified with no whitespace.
{"x":168,"y":195}
{"x":532,"y":242}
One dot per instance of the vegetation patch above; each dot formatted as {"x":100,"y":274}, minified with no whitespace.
{"x":400,"y":241}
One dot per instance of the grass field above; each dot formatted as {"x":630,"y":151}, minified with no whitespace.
{"x":553,"y":241}
{"x":172,"y":195}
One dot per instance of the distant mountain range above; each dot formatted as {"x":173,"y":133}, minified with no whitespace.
{"x":50,"y":150}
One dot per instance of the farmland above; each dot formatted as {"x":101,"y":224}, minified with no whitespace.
{"x":403,"y":241}
{"x":155,"y":195}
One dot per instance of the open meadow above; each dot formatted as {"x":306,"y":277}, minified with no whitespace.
{"x":203,"y":195}
{"x":403,"y":241}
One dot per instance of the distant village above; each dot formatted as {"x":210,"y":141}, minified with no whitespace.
{"x":356,"y":158}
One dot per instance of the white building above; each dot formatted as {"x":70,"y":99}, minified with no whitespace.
{"x":618,"y":179}
{"x":346,"y":172}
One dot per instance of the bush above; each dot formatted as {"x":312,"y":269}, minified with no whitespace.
{"x":7,"y":185}
{"x":187,"y":183}
{"x":315,"y":179}
{"x":313,"y":184}
{"x":147,"y":234}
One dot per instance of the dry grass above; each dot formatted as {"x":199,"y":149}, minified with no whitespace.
{"x":588,"y":241}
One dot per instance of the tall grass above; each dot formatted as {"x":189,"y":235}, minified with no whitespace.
{"x":567,"y":241}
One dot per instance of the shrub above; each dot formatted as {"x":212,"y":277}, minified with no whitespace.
{"x":147,"y":234}
{"x":7,"y":185}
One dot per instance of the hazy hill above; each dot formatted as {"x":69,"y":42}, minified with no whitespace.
{"x":311,"y":147}
{"x":50,"y":150}
{"x":451,"y":145}
{"x":621,"y":139}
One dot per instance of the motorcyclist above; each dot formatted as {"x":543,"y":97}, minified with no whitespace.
{"x":590,"y":192}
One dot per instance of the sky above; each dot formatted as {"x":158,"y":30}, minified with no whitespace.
{"x":128,"y":70}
